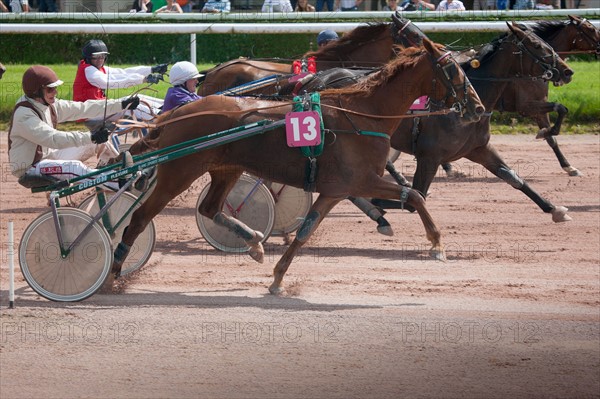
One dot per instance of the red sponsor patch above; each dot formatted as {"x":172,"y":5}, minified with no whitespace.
{"x":51,"y":170}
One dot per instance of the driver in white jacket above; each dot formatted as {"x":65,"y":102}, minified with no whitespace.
{"x":36,"y":147}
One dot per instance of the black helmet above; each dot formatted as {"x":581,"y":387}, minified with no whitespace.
{"x":94,"y":47}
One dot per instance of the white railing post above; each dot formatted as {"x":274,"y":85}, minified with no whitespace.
{"x":193,"y":48}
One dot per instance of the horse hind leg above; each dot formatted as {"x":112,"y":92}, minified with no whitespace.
{"x":491,"y":160}
{"x":251,"y":237}
{"x":222,"y":181}
{"x":565,"y":165}
{"x":320,"y":208}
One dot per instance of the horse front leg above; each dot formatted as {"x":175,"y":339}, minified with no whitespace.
{"x":548,"y":133}
{"x":410,"y":199}
{"x":543,"y":119}
{"x":491,"y":160}
{"x":320,"y":208}
{"x":222,"y":182}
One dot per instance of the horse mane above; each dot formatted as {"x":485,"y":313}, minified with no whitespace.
{"x":406,"y":59}
{"x":356,"y":37}
{"x":150,"y":141}
{"x":547,"y":29}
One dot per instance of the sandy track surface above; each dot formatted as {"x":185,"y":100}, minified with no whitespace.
{"x":514,"y":312}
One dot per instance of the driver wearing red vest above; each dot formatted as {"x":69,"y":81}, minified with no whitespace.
{"x":93,"y":78}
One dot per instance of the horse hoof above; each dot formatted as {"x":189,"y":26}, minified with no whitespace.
{"x":559,"y":214}
{"x":438,"y":254}
{"x":573,"y":171}
{"x":385,"y":230}
{"x":107,"y":287}
{"x":257,"y":252}
{"x":258,"y":237}
{"x":275,"y":289}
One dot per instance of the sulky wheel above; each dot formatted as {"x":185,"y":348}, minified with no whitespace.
{"x":291,"y":207}
{"x":78,"y":274}
{"x":142,"y":248}
{"x":258,"y":213}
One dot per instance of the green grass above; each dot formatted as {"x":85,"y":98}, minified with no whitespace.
{"x":581,"y":97}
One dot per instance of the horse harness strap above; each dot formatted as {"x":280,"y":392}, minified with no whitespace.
{"x":312,"y":102}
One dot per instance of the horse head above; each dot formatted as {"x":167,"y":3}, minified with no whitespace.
{"x":406,"y":34}
{"x":587,"y":36}
{"x":553,"y":68}
{"x":455,"y":90}
{"x":369,"y":45}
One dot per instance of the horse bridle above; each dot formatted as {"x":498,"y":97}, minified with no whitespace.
{"x":586,"y":36}
{"x":449,"y":69}
{"x":550,"y":68}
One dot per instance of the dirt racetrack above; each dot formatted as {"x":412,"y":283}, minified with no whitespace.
{"x":514,"y":312}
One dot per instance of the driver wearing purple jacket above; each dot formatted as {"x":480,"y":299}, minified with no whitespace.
{"x":184,"y":78}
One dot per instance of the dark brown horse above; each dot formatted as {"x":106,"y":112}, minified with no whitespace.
{"x":366,"y":46}
{"x":438,"y":139}
{"x":529,"y":97}
{"x":356,"y":119}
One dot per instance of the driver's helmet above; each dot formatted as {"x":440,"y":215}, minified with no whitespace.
{"x":93,"y":47}
{"x":36,"y":78}
{"x":183,"y":71}
{"x":326,"y":36}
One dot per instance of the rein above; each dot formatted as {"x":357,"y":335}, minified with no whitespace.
{"x":148,"y":125}
{"x":403,"y":116}
{"x":127,"y":125}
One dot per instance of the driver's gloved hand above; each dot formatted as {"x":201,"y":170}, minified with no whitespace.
{"x":130,"y":103}
{"x":100,"y":135}
{"x":160,"y":68}
{"x":153,"y":78}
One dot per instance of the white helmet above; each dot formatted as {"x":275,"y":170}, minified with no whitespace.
{"x":183,"y":71}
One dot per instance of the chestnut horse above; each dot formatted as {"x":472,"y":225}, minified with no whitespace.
{"x":365,"y":46}
{"x":438,"y":139}
{"x":357,"y":119}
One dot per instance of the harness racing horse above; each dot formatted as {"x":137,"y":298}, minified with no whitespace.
{"x":530,"y":97}
{"x":2,"y":70}
{"x":356,"y":146}
{"x":439,"y":139}
{"x":365,"y":46}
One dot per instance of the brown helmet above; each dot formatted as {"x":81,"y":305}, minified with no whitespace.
{"x":36,"y":78}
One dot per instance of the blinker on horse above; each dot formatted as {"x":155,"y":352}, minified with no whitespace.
{"x":352,"y":161}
